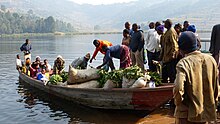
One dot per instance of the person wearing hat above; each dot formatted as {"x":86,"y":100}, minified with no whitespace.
{"x":192,"y":28}
{"x":81,"y":62}
{"x":170,"y":52}
{"x":58,"y":66}
{"x":196,"y":84}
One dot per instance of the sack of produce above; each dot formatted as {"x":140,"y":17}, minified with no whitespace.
{"x":109,"y":84}
{"x":139,"y":83}
{"x":126,"y":83}
{"x":89,"y":84}
{"x":130,"y":75}
{"x":79,"y":76}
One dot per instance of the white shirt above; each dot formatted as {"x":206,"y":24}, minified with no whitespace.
{"x":18,"y":62}
{"x":152,"y":41}
{"x":48,"y":66}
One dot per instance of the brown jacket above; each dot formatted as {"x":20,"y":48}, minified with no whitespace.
{"x":196,"y":88}
{"x":169,"y":46}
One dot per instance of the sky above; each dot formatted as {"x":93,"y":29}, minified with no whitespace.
{"x":98,"y":2}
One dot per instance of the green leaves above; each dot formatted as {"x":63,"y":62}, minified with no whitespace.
{"x":115,"y":76}
{"x":133,"y":72}
{"x":64,"y":76}
{"x":155,"y":77}
{"x":55,"y":79}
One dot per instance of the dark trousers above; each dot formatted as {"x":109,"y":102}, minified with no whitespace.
{"x":152,"y":56}
{"x":169,"y":71}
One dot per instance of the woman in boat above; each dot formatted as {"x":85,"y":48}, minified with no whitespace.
{"x":58,"y":65}
{"x":120,"y":52}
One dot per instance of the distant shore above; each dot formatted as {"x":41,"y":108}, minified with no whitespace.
{"x":41,"y":35}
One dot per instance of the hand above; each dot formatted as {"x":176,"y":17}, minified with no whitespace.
{"x":90,"y":60}
{"x":99,"y":67}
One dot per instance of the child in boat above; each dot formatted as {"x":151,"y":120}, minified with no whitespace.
{"x":18,"y":63}
{"x":27,"y":66}
{"x":81,"y":62}
{"x":41,"y":76}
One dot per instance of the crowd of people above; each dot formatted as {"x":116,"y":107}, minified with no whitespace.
{"x":38,"y":69}
{"x":195,"y":75}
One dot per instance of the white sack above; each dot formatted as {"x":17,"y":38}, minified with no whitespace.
{"x":79,"y":76}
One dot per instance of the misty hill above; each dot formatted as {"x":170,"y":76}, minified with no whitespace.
{"x":203,"y":13}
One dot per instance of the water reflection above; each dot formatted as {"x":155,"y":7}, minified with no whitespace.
{"x":59,"y":109}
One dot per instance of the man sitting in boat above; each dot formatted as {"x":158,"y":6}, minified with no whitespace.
{"x":81,"y":62}
{"x":58,"y":66}
{"x":120,"y":52}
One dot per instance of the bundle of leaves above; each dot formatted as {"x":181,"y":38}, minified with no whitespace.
{"x":64,"y":76}
{"x":156,"y":78}
{"x":133,"y":72}
{"x":102,"y":79}
{"x":55,"y":79}
{"x":115,"y":76}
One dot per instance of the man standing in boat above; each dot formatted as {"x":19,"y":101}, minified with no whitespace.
{"x":26,"y":49}
{"x":196,"y":84}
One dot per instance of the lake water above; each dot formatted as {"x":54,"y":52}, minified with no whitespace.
{"x":22,"y":104}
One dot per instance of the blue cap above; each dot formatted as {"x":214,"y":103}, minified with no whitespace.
{"x":160,"y":28}
{"x":192,"y":28}
{"x":188,"y":41}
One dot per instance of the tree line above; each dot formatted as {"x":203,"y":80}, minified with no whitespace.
{"x":14,"y":23}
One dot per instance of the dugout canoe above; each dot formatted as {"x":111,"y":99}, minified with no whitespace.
{"x":117,"y":98}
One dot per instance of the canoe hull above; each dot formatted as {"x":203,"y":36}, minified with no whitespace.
{"x":117,"y":98}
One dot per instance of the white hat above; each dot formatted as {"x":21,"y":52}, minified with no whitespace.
{"x":59,"y":56}
{"x":38,"y":57}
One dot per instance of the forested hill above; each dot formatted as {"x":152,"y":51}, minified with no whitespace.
{"x":203,"y":13}
{"x":14,"y":23}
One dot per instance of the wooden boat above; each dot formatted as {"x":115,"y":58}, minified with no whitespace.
{"x":117,"y":98}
